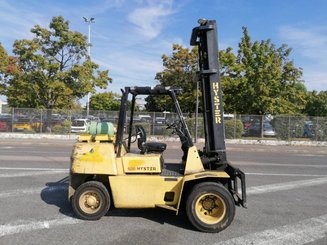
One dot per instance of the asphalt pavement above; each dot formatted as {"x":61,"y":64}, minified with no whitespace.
{"x":286,"y":185}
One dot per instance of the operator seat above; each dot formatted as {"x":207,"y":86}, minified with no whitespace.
{"x":147,"y":147}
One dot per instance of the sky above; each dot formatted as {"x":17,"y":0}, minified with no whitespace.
{"x":129,"y":37}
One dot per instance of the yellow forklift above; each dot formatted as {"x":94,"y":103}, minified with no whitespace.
{"x":106,"y":173}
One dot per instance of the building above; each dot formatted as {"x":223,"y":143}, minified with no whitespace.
{"x":1,"y":104}
{"x":140,"y":103}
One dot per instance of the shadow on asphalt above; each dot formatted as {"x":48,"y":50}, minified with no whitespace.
{"x":55,"y":193}
{"x":158,"y":215}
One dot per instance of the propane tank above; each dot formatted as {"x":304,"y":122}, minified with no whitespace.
{"x":101,"y":128}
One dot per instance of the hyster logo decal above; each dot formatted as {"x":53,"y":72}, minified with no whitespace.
{"x":216,"y":102}
{"x":146,"y":168}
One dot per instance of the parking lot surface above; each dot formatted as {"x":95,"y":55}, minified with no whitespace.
{"x":286,"y":186}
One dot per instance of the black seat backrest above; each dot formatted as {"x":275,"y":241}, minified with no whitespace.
{"x":141,"y":136}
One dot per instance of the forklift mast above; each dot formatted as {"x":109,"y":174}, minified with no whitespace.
{"x":204,"y":37}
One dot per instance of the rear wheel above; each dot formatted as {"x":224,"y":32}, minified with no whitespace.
{"x":91,"y":200}
{"x":210,"y":207}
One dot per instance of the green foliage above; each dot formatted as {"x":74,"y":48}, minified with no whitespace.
{"x":293,"y":127}
{"x":261,"y":79}
{"x":179,"y":71}
{"x":54,"y":69}
{"x":107,"y":101}
{"x":321,"y":129}
{"x":287,"y":127}
{"x":4,"y":60}
{"x":234,"y":129}
{"x":63,"y":128}
{"x":191,"y":126}
{"x":8,"y":68}
{"x":316,"y":104}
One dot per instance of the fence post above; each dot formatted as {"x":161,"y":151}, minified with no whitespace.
{"x":243,"y":131}
{"x":261,"y":126}
{"x":317,"y":128}
{"x":69,"y":117}
{"x":12,"y":119}
{"x":153,"y":122}
{"x":289,"y":127}
{"x":41,"y":121}
{"x":234,"y":136}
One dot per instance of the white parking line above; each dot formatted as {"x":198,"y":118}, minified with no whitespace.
{"x":25,"y":174}
{"x":45,"y":158}
{"x":35,"y":169}
{"x":24,"y":226}
{"x":36,"y":190}
{"x":265,"y":164}
{"x":290,"y":175}
{"x":285,"y":186}
{"x":303,"y":232}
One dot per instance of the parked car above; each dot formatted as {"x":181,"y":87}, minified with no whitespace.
{"x":145,"y":118}
{"x":255,"y":130}
{"x":268,"y":130}
{"x":22,"y":124}
{"x":79,"y":125}
{"x":5,"y":122}
{"x":308,"y":130}
{"x":160,"y":121}
{"x":4,"y":126}
{"x":113,"y":120}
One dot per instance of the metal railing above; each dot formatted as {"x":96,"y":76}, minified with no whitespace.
{"x":282,"y":127}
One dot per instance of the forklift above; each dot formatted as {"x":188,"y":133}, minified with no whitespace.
{"x":105,"y":172}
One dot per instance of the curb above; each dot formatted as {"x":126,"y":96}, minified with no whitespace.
{"x":37,"y":136}
{"x":171,"y":139}
{"x":276,"y":142}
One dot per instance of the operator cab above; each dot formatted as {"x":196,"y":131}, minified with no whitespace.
{"x":149,"y":157}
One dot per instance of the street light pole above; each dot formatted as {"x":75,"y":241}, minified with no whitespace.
{"x":89,"y":21}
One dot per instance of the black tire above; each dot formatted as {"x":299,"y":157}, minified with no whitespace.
{"x":91,"y":200}
{"x":210,"y":207}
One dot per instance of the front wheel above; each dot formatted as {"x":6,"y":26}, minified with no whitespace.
{"x":210,"y":207}
{"x":91,"y":200}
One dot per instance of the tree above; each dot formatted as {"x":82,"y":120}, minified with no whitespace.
{"x":316,"y":104}
{"x":107,"y":101}
{"x":3,"y":61}
{"x":258,"y":79}
{"x":263,"y":80}
{"x":180,"y":71}
{"x":8,"y":67}
{"x":230,"y":73}
{"x":54,"y":69}
{"x":3,"y":64}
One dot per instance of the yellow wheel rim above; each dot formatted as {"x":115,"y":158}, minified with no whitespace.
{"x":90,"y":202}
{"x":210,"y":208}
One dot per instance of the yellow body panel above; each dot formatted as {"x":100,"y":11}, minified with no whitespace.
{"x":135,"y":179}
{"x":136,"y":163}
{"x":193,"y":162}
{"x":144,"y":191}
{"x":94,"y":158}
{"x":206,"y":174}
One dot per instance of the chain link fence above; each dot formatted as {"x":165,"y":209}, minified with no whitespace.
{"x":280,"y":127}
